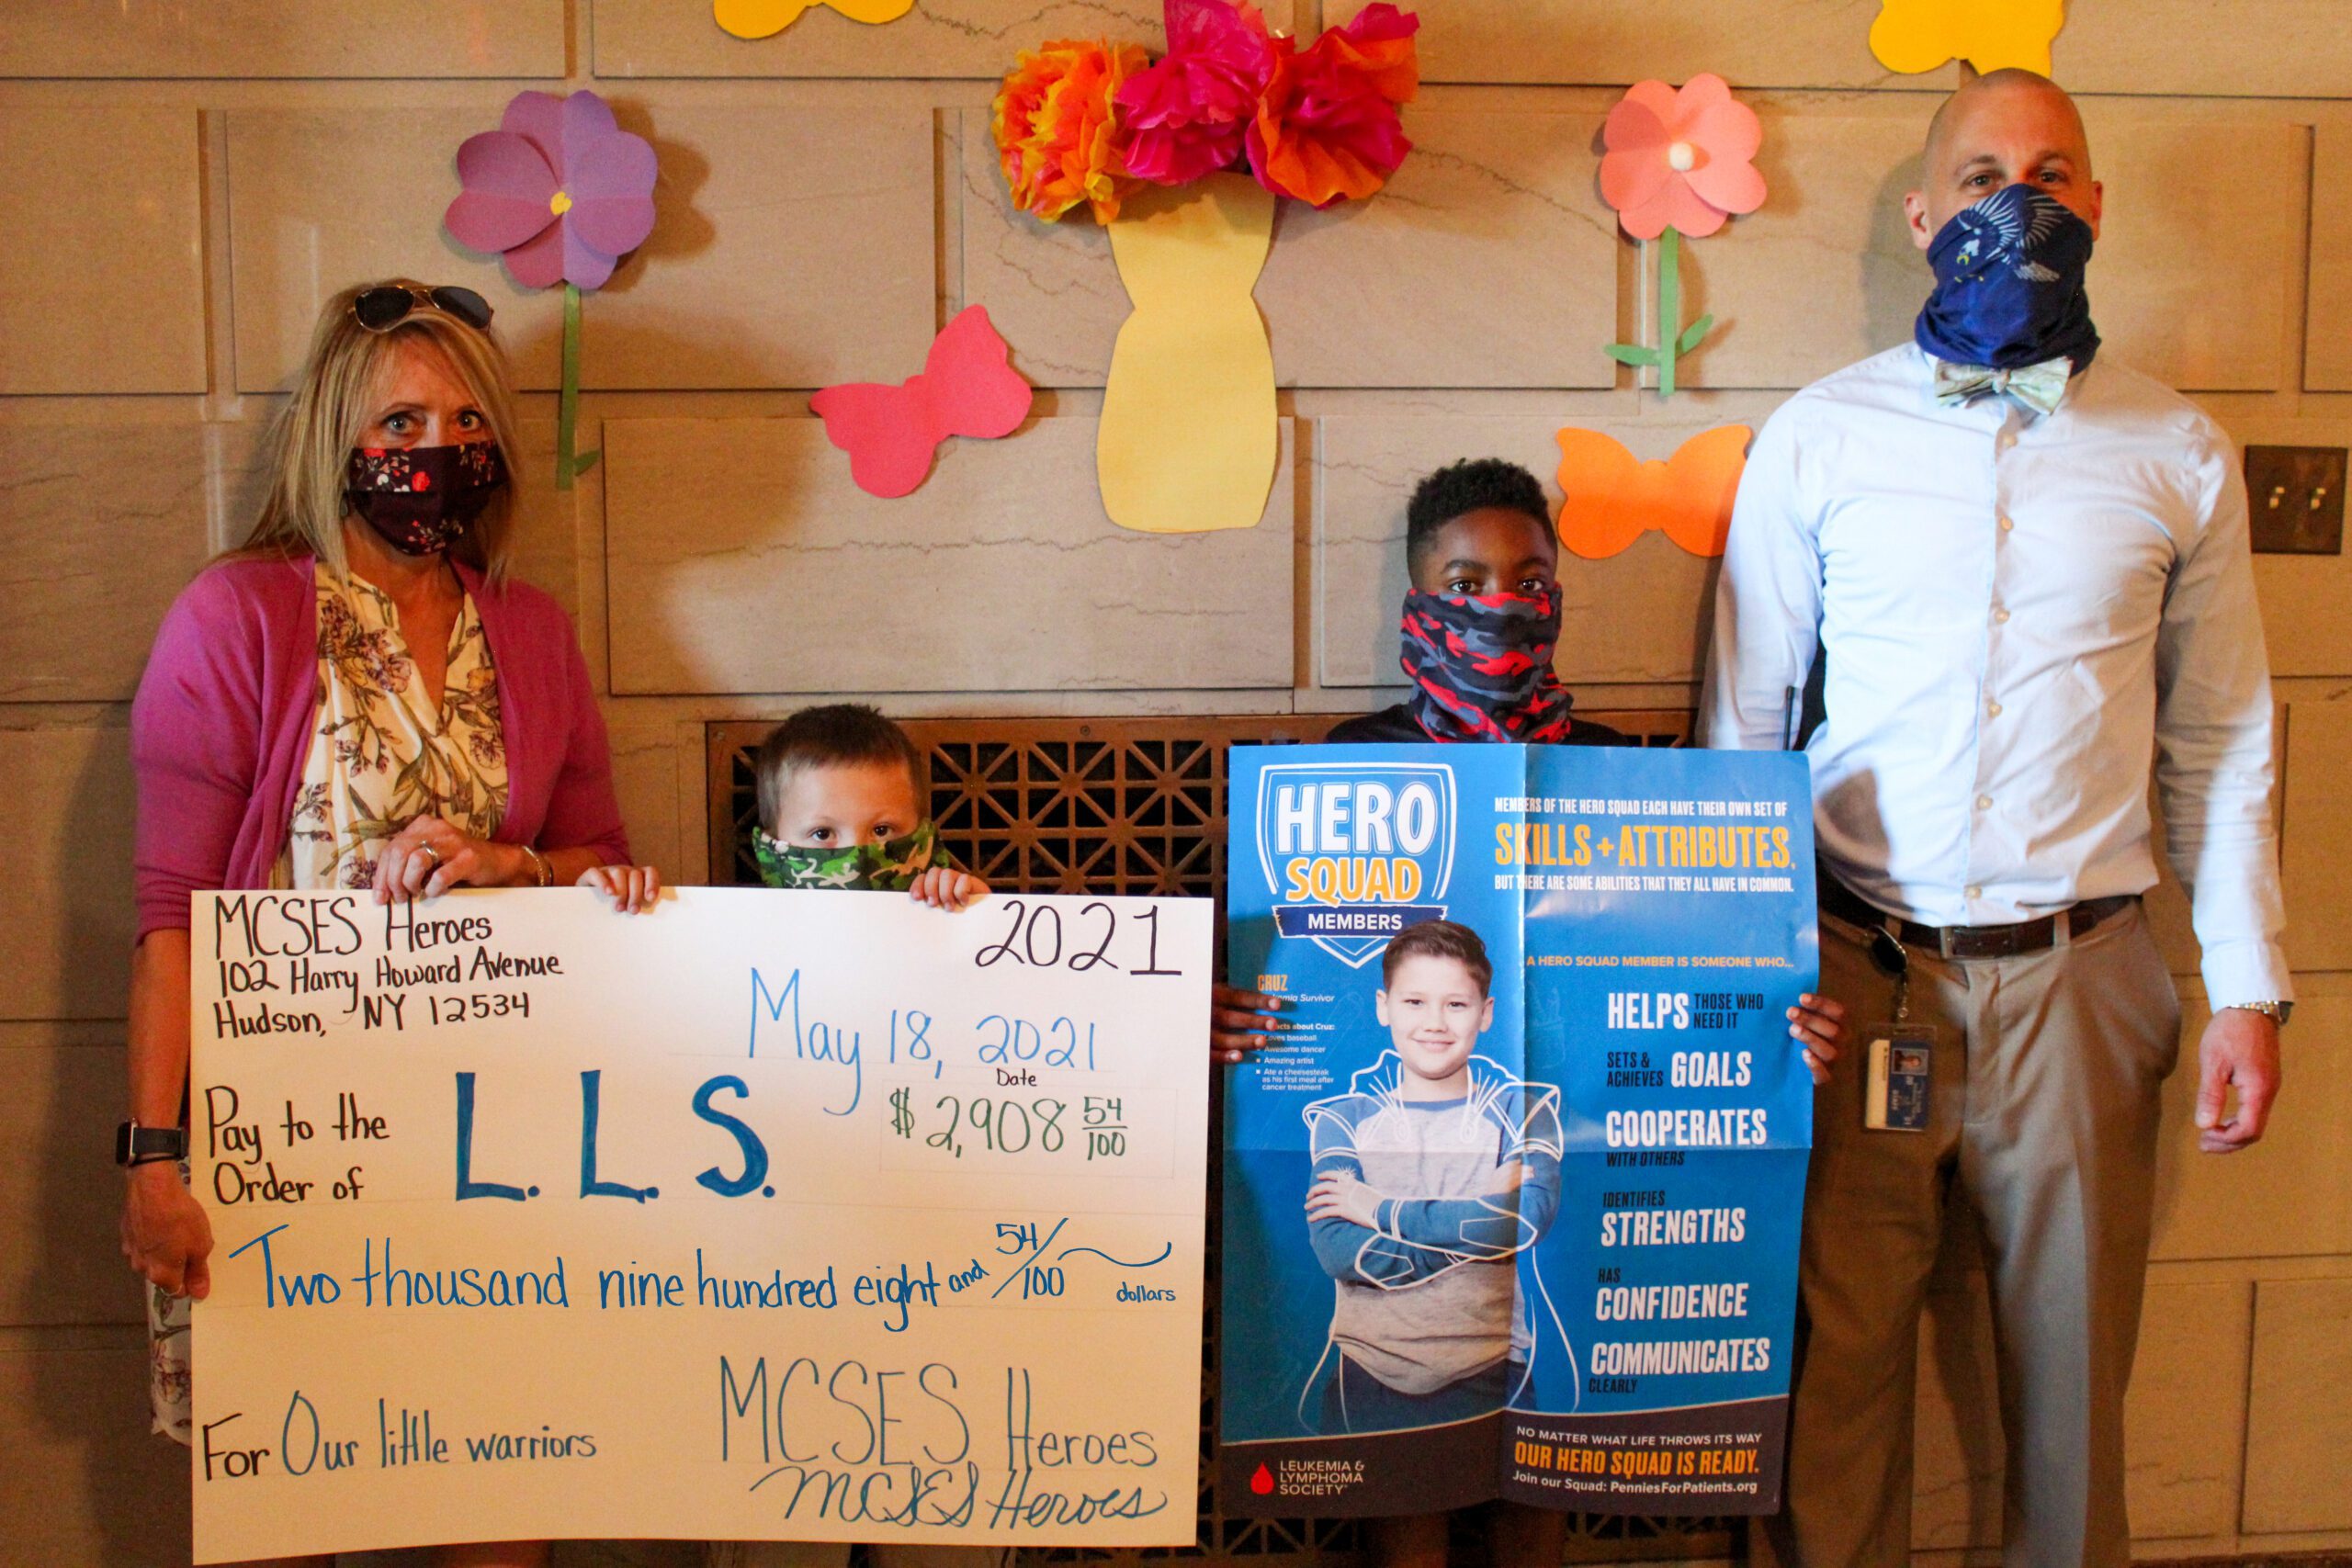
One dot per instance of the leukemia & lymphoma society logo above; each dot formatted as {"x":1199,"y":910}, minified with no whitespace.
{"x":1307,"y":1477}
{"x":1355,"y":851}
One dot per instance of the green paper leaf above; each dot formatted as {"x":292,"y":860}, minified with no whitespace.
{"x":1630,"y":354}
{"x":585,"y":461}
{"x":1693,"y":333}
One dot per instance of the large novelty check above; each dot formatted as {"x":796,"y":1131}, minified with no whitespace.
{"x":766,"y":1215}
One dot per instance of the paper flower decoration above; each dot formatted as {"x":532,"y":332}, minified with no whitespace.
{"x":762,"y":18}
{"x":1677,"y":162}
{"x":563,"y":193}
{"x":1188,"y":116}
{"x":1055,"y":121}
{"x":1088,"y":122}
{"x":1614,"y":498}
{"x":1079,"y":122}
{"x":1912,"y":36}
{"x":559,"y":188}
{"x":1327,"y":125}
{"x":1681,"y":158}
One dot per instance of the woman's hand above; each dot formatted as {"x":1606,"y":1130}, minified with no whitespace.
{"x":1344,"y":1197}
{"x":1240,"y":1021}
{"x":164,"y":1232}
{"x":630,"y":889}
{"x":1819,"y":1026}
{"x":943,"y":887}
{"x":433,"y":854}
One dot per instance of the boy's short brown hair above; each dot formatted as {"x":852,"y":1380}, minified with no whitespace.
{"x":837,"y":735}
{"x":1439,"y":939}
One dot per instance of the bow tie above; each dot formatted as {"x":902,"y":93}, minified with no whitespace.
{"x":2037,"y":385}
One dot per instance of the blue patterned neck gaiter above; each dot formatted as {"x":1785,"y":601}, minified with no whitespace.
{"x":2009,"y":285}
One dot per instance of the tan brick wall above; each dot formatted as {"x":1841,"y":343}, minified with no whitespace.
{"x":186,"y":182}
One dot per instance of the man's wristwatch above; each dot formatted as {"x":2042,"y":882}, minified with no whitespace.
{"x":134,"y":1144}
{"x":2277,"y":1013}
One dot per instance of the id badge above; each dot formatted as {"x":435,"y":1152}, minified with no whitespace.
{"x":1897,"y":1096}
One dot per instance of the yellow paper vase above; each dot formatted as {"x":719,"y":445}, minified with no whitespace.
{"x":1189,"y":430}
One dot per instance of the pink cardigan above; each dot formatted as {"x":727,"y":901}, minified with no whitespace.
{"x":222,"y":726}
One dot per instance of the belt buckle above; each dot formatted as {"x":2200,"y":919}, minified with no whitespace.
{"x":1978,"y":942}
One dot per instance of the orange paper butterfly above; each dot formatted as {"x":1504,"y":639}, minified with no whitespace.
{"x":1613,"y":498}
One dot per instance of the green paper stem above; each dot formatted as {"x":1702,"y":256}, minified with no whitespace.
{"x":568,"y":464}
{"x":1670,"y":307}
{"x":1673,"y":340}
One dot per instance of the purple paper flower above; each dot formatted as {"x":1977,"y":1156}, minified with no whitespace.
{"x":559,"y":188}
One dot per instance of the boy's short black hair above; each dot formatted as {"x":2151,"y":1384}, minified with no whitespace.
{"x":1439,"y":939}
{"x":1472,"y":485}
{"x":836,"y":735}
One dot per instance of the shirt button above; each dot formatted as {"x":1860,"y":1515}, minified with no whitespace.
{"x":2001,"y":616}
{"x":2007,"y":525}
{"x":1992,"y":710}
{"x":1974,"y":892}
{"x":1983,"y":803}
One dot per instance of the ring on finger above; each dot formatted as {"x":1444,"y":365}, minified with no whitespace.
{"x":431,"y":853}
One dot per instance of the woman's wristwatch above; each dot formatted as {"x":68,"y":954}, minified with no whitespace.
{"x":135,"y":1145}
{"x":2277,"y":1013}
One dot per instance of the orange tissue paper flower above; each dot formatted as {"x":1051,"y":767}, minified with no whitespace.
{"x":1327,"y":125}
{"x":1056,"y":127}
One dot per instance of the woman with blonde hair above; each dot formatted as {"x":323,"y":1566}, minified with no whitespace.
{"x":356,"y":697}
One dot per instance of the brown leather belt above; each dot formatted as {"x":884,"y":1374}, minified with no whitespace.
{"x":1971,"y":941}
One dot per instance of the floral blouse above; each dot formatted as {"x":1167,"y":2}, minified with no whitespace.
{"x":380,"y":756}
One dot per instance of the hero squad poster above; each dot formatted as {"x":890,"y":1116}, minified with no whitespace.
{"x":1512,"y":1207}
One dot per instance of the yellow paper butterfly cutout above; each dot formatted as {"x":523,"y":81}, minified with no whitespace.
{"x":1613,"y":498}
{"x":763,"y":18}
{"x":1912,"y":36}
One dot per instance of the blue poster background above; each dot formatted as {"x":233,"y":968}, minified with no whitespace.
{"x":1649,"y":916}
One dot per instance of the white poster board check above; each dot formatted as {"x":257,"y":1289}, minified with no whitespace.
{"x":793,"y":1215}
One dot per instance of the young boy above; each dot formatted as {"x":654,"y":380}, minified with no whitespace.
{"x":1431,"y":1174}
{"x":841,"y":806}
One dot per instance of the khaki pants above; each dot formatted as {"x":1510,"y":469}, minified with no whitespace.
{"x":2045,"y":1076}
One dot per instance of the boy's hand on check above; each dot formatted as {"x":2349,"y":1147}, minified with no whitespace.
{"x":944,"y":888}
{"x":630,"y":889}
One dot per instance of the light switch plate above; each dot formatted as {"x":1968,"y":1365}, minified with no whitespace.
{"x":2296,"y":497}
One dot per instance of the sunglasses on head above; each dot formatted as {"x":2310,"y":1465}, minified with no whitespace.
{"x":380,"y":310}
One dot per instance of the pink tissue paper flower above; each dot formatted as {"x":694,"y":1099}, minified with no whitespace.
{"x":1187,"y":116}
{"x":559,"y":188}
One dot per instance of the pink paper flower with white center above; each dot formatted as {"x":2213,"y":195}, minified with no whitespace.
{"x":1677,"y":163}
{"x":1683,"y":158}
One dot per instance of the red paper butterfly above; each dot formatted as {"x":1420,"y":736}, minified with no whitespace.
{"x":967,"y":387}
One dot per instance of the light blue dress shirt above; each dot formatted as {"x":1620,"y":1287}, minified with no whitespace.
{"x":2020,"y":613}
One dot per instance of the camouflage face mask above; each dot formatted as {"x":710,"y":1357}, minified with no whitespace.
{"x":890,"y":866}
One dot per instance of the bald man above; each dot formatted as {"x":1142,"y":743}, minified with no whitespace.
{"x":2024,"y":570}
